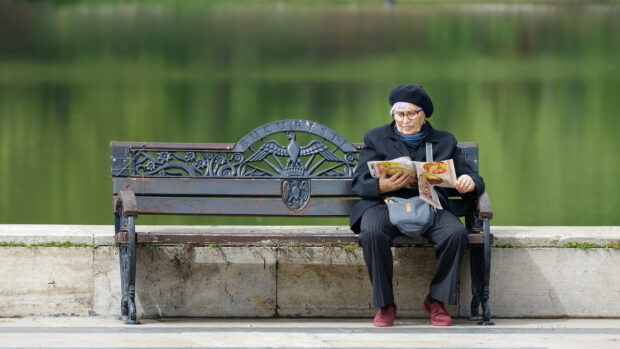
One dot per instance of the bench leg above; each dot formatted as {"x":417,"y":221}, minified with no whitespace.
{"x":486,"y":310}
{"x":121,"y":223}
{"x":476,"y":268}
{"x":130,"y":282}
{"x":124,"y":263}
{"x":484,"y":299}
{"x":480,"y":269}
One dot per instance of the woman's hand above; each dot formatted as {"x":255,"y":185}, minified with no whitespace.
{"x":465,"y":184}
{"x":391,"y":183}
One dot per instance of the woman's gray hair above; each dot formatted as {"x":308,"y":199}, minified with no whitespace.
{"x":400,"y":104}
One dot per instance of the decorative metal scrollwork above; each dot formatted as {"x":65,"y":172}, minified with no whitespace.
{"x":258,"y":154}
{"x":185,"y":163}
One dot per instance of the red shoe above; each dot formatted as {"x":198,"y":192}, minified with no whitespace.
{"x":437,"y":312}
{"x":385,"y":316}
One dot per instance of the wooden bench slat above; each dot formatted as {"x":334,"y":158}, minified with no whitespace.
{"x":174,"y":146}
{"x":240,"y":206}
{"x":268,"y":238}
{"x":191,"y":146}
{"x":226,"y":186}
{"x":331,"y":187}
{"x":199,"y":186}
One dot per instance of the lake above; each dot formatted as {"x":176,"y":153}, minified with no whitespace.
{"x":535,"y":84}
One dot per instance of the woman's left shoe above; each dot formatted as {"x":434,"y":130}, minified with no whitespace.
{"x":385,"y":316}
{"x":437,"y":312}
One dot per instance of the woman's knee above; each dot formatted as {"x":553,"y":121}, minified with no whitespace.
{"x":374,"y":237}
{"x":375,"y":227}
{"x":459,"y":236}
{"x":376,"y":219}
{"x":454,"y":238}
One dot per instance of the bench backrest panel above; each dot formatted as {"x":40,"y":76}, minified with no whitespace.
{"x":226,"y":186}
{"x":221,"y":206}
{"x":285,"y":168}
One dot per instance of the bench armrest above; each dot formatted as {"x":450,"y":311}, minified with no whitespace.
{"x":484,"y":206}
{"x":125,"y":200}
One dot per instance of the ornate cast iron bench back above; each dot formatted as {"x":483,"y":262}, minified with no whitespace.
{"x":296,"y":170}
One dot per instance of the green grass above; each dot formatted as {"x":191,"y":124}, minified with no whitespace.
{"x":506,"y":245}
{"x":46,"y":244}
{"x":587,"y":245}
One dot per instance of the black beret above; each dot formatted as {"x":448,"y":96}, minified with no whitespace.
{"x":412,"y":94}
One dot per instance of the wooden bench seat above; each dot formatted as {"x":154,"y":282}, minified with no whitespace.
{"x":263,"y":237}
{"x":288,"y":168}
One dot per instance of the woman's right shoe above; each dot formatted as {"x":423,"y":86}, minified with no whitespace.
{"x":385,"y":316}
{"x":437,"y":312}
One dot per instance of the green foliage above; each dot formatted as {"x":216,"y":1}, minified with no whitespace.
{"x":615,"y":245}
{"x":347,"y":247}
{"x":507,"y":245}
{"x":587,"y":245}
{"x":582,"y":245}
{"x":351,"y":247}
{"x":47,"y":244}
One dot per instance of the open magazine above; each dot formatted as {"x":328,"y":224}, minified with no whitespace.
{"x":425,"y":174}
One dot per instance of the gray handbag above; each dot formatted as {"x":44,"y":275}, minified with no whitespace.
{"x":412,"y":216}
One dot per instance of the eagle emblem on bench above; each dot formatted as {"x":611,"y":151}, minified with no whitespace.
{"x":293,"y":152}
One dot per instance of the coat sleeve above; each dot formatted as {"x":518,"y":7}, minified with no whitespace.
{"x":462,"y":167}
{"x":364,"y":185}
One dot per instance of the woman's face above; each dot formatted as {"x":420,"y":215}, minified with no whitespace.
{"x":409,"y":118}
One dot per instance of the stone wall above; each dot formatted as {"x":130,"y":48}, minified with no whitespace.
{"x":534,"y":274}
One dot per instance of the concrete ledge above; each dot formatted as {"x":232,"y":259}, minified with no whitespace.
{"x":544,"y":236}
{"x":535,"y":277}
{"x":551,"y":236}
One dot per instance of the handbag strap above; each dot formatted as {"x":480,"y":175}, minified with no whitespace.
{"x":429,"y":152}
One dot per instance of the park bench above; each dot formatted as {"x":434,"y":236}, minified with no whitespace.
{"x":284,"y":168}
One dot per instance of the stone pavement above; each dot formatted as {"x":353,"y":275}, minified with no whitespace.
{"x":107,"y":332}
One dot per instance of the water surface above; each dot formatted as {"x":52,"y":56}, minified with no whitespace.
{"x":536,"y":85}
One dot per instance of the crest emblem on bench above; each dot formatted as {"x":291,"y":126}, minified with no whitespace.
{"x":295,"y":193}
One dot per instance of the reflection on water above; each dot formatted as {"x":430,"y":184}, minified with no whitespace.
{"x":536,"y":86}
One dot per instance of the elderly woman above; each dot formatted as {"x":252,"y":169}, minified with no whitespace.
{"x":407,"y":135}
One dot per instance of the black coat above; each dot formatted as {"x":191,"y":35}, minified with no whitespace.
{"x":382,"y":143}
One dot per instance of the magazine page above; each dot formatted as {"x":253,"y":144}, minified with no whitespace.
{"x":373,"y":169}
{"x":439,"y":173}
{"x":427,"y":192}
{"x":391,"y":167}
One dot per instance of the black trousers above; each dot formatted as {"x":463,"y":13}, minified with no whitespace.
{"x":448,"y":236}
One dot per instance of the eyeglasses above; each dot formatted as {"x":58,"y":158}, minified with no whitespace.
{"x":411,"y":115}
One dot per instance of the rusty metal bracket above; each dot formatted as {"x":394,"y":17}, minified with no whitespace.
{"x":126,"y":203}
{"x":484,"y":206}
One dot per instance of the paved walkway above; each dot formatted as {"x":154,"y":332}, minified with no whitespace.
{"x":104,"y":332}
